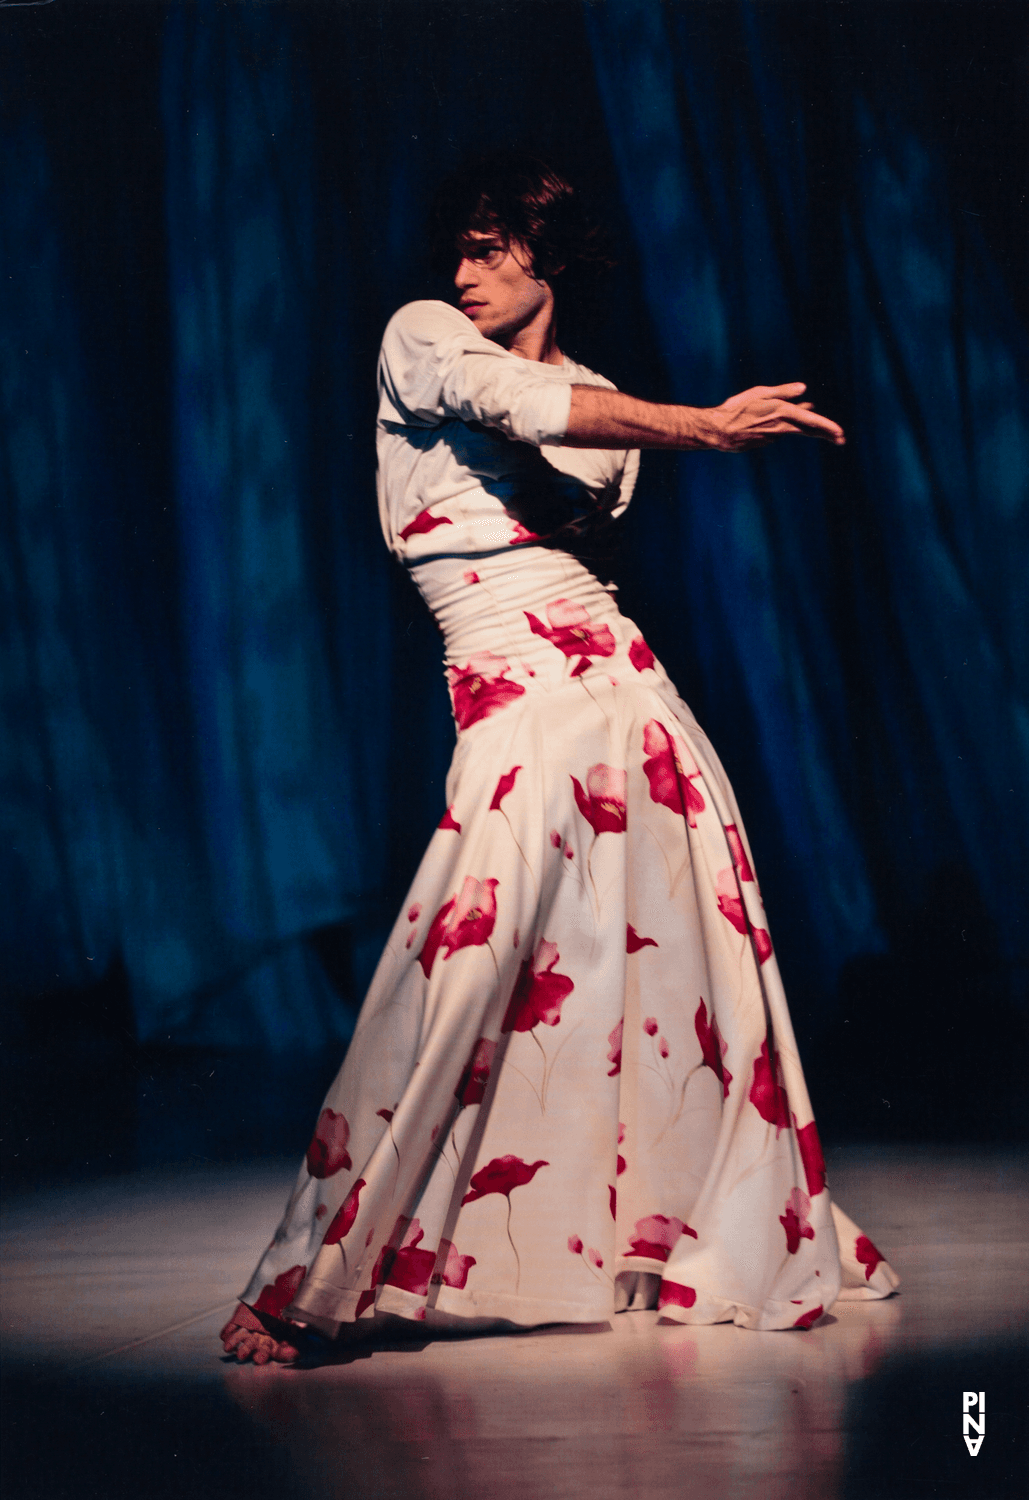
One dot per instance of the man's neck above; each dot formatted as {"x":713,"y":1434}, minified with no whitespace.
{"x":537,"y":340}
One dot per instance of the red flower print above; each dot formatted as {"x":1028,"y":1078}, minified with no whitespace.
{"x":640,"y":654}
{"x":712,"y":1047}
{"x":674,"y":1295}
{"x":422,"y":523}
{"x":602,"y":804}
{"x":414,"y":912}
{"x":581,"y":666}
{"x":569,"y":852}
{"x":613,"y":1199}
{"x":449,"y":821}
{"x":571,"y":632}
{"x":344,"y":1220}
{"x":595,"y":1258}
{"x":866,"y":1254}
{"x":412,"y":1268}
{"x":327,"y":1153}
{"x":515,"y":939}
{"x":521,"y":534}
{"x":575,"y":1244}
{"x":502,"y":1175}
{"x":481,"y":688}
{"x":281,"y":1292}
{"x":455,"y":1266}
{"x":465,"y":921}
{"x":470,"y":577}
{"x":768,"y":1092}
{"x":385,"y":1114}
{"x":615,"y":1055}
{"x":321,"y":1211}
{"x":620,"y":1164}
{"x":633,"y":941}
{"x":811,"y":1156}
{"x":471,"y":1086}
{"x":504,"y":785}
{"x":650,"y":1026}
{"x":656,"y":1235}
{"x":794,"y":1221}
{"x":539,"y":993}
{"x":555,"y":838}
{"x":739,"y":854}
{"x":662,"y":1046}
{"x":666,"y":770}
{"x":811,"y":1316}
{"x":730,"y":904}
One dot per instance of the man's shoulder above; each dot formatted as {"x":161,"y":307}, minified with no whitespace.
{"x":425,"y":322}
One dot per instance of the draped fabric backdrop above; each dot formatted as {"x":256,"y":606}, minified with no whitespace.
{"x":225,"y":727}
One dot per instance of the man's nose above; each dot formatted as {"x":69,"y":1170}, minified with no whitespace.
{"x":465,"y":274}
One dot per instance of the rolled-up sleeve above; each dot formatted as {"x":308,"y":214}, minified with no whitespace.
{"x":434,"y":365}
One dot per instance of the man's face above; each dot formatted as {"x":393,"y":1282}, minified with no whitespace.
{"x":498,"y":292}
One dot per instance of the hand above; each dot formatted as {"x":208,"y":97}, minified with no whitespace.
{"x":765,"y":412}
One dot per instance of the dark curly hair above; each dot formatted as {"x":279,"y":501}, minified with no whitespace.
{"x":518,"y":196}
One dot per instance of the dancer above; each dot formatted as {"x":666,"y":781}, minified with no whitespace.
{"x":573,"y":1088}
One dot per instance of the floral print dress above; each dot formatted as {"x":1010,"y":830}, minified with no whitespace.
{"x":575,"y":1060}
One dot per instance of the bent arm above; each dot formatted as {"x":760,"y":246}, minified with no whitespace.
{"x":601,"y":418}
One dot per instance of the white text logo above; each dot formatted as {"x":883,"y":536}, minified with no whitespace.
{"x":970,"y":1423}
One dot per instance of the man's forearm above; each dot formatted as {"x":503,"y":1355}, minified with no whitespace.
{"x":600,"y":418}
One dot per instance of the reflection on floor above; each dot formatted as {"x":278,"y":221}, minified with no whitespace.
{"x":114,"y":1290}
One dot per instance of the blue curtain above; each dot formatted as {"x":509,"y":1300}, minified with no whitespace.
{"x":226,"y":728}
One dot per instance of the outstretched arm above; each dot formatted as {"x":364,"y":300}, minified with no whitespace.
{"x":601,"y":418}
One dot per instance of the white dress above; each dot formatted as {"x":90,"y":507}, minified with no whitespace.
{"x":575,"y":1060}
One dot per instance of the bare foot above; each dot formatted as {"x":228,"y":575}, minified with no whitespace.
{"x":247,"y":1337}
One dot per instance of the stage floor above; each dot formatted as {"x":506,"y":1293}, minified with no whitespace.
{"x":113,"y":1292}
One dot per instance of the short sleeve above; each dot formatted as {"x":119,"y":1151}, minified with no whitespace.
{"x":434,"y":366}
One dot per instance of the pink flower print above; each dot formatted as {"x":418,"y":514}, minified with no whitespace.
{"x":866,"y":1254}
{"x":327,"y":1153}
{"x":321,"y":1211}
{"x":811,"y":1316}
{"x":570,"y":631}
{"x":555,"y":838}
{"x":449,"y":821}
{"x":633,"y":941}
{"x":795,"y":1221}
{"x":640,"y":654}
{"x":504,"y":785}
{"x":620,"y":1165}
{"x":811,"y":1156}
{"x":613,"y":1201}
{"x":575,"y":1244}
{"x":455,"y":1266}
{"x":650,"y":1026}
{"x":412,"y":1268}
{"x":422,"y":523}
{"x":670,"y":770}
{"x":414,"y":912}
{"x":471,"y":1086}
{"x":672,"y":1294}
{"x":614,"y":1056}
{"x":521,"y":534}
{"x":344,"y":1220}
{"x":730,"y":904}
{"x":481,"y":688}
{"x":465,"y":921}
{"x":501,"y":1175}
{"x":280,"y":1293}
{"x":569,"y":852}
{"x":470,"y":577}
{"x":515,"y":938}
{"x":602,"y":804}
{"x":712,"y":1047}
{"x":656,"y":1235}
{"x":595,"y":1258}
{"x":768,"y":1091}
{"x":539,"y":993}
{"x":662,"y":1046}
{"x":739,"y":854}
